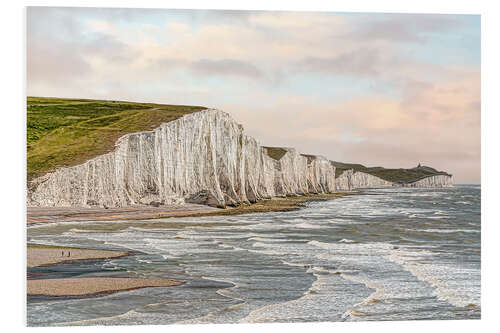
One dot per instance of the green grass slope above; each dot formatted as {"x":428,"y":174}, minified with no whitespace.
{"x":392,"y":175}
{"x":67,"y":132}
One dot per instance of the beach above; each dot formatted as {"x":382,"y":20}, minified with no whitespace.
{"x":91,"y":286}
{"x":132,"y":213}
{"x":73,"y":214}
{"x":42,"y":255}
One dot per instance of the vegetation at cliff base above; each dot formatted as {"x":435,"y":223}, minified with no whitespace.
{"x":67,"y":132}
{"x":392,"y":175}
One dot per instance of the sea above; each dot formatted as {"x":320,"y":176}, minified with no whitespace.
{"x":384,"y":254}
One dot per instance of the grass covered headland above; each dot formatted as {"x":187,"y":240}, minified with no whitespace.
{"x":66,"y":132}
{"x":392,"y":175}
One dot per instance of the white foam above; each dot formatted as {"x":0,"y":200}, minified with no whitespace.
{"x":318,"y":301}
{"x":345,"y":240}
{"x":447,"y":231}
{"x":267,"y":239}
{"x":457,"y":285}
{"x":306,"y":225}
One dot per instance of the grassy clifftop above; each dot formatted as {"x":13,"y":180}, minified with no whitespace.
{"x":275,"y":152}
{"x":67,"y":132}
{"x":392,"y":175}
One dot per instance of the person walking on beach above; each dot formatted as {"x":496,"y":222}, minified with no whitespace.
{"x":69,"y":254}
{"x":62,"y":253}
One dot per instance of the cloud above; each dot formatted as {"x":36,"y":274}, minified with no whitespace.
{"x":371,"y":88}
{"x":403,"y":27}
{"x":379,"y":130}
{"x":225,"y":67}
{"x":361,"y":62}
{"x":51,"y":56}
{"x":108,"y":49}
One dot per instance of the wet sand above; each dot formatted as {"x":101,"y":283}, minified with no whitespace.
{"x":41,"y":255}
{"x":46,"y":255}
{"x":73,"y":214}
{"x":91,"y":286}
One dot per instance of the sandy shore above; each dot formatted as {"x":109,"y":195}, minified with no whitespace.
{"x":68,"y":214}
{"x":91,"y":285}
{"x":41,"y":255}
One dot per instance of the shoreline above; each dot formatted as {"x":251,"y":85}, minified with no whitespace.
{"x":278,"y":204}
{"x":37,"y":215}
{"x":49,"y":255}
{"x":92,"y":286}
{"x":38,"y":255}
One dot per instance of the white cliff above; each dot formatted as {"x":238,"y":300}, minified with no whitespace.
{"x":364,"y":180}
{"x":320,"y":174}
{"x":290,"y":173}
{"x":203,"y":157}
{"x":433,"y":181}
{"x":350,"y":180}
{"x":344,"y":181}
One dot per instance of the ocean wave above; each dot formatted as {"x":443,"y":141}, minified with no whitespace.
{"x":378,"y":294}
{"x":267,"y":239}
{"x":110,"y":320}
{"x":448,"y":281}
{"x":288,"y":309}
{"x":345,"y":240}
{"x":449,"y":230}
{"x":306,"y":225}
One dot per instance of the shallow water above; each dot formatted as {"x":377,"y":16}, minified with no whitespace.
{"x":391,"y":254}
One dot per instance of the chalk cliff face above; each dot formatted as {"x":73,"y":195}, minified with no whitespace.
{"x":290,"y":173}
{"x":433,"y":181}
{"x":351,"y":179}
{"x":320,"y":174}
{"x":365,"y":180}
{"x":344,"y":181}
{"x":203,"y":157}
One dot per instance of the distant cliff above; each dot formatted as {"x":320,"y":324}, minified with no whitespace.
{"x":433,"y":181}
{"x":350,"y":180}
{"x":358,"y":176}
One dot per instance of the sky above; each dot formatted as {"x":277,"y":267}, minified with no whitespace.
{"x":390,"y":90}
